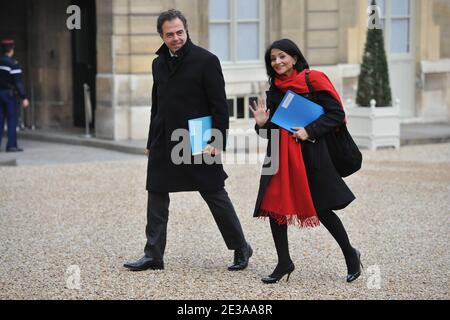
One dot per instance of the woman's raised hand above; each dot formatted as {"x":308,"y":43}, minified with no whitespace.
{"x":260,"y":112}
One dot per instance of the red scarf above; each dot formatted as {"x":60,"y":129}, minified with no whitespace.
{"x":288,"y":198}
{"x":297,"y":82}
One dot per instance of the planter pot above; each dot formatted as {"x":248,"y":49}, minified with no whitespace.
{"x":373,"y":127}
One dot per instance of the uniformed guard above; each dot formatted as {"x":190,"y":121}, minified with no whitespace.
{"x":11,"y":84}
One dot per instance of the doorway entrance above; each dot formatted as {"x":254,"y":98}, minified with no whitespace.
{"x":84,"y":60}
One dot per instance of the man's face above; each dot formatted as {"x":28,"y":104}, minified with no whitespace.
{"x":9,"y":53}
{"x":173,"y":34}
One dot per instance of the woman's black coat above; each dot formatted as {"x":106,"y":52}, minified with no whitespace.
{"x":328,"y":189}
{"x":187,"y":87}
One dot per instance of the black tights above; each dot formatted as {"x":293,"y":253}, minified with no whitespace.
{"x":333,"y":224}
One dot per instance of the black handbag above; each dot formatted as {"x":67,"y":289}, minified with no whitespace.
{"x":344,"y":153}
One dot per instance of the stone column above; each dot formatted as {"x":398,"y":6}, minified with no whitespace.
{"x":428,"y":32}
{"x":356,"y":35}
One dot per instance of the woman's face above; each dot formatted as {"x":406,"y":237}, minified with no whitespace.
{"x":281,"y":62}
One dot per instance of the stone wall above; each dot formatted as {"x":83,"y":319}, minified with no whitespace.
{"x":331,"y":33}
{"x":127,"y":42}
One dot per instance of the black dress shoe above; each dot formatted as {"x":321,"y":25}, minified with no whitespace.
{"x":14,"y":150}
{"x":241,"y":257}
{"x":145,"y":263}
{"x":352,"y":276}
{"x":278,"y":275}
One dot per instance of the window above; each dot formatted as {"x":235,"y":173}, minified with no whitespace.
{"x":396,"y":21}
{"x":238,"y":107}
{"x":400,"y":25}
{"x":235,"y":30}
{"x":232,"y":110}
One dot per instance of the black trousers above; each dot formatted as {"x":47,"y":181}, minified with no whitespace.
{"x":221,"y":208}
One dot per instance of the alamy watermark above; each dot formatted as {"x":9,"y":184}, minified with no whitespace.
{"x":374,"y":277}
{"x":245,"y":147}
{"x":374,"y":20}
{"x":74,"y":20}
{"x":73,"y":281}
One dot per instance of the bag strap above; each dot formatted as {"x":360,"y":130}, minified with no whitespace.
{"x":313,"y":92}
{"x":308,"y":82}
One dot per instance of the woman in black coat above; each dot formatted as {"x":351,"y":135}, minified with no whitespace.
{"x":306,"y":187}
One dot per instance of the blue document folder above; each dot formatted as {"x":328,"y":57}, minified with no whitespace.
{"x":296,"y":111}
{"x":199,"y":133}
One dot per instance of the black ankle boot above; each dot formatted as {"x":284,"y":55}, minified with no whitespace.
{"x":352,"y":276}
{"x":278,"y":274}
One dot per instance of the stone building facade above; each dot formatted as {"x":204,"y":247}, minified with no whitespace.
{"x":117,"y":43}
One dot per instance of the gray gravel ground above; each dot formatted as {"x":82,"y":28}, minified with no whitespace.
{"x":60,"y":218}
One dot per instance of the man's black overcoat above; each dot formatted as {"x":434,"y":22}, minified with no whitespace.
{"x":187,"y":87}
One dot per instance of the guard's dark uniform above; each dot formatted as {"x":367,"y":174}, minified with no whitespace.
{"x":10,"y":84}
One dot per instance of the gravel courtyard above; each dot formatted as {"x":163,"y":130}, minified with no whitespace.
{"x":67,"y":229}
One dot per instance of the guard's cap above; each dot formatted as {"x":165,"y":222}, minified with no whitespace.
{"x":7,"y":41}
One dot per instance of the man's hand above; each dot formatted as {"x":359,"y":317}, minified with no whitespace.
{"x":147,"y":152}
{"x":301,"y":134}
{"x":25,"y":103}
{"x":209,"y":149}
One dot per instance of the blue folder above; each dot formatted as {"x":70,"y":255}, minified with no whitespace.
{"x":296,"y":111}
{"x":199,"y":134}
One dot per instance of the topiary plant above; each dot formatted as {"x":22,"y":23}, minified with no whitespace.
{"x":373,"y":81}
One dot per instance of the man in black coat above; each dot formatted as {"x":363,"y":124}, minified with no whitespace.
{"x":187,"y":84}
